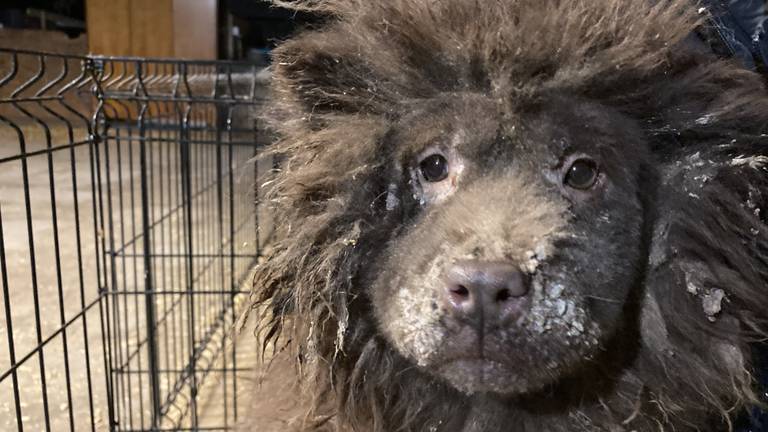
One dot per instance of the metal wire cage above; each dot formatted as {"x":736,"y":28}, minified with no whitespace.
{"x":128,"y":222}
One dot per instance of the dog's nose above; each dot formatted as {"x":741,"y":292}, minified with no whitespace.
{"x":491,"y":291}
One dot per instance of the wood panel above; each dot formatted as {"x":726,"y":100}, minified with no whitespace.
{"x":108,"y":24}
{"x":195,"y":23}
{"x":153,"y":28}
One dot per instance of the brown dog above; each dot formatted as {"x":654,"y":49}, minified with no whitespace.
{"x":517,"y":215}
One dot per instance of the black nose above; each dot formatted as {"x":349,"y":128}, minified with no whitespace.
{"x":492,"y":291}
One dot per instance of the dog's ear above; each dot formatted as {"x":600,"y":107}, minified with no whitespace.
{"x":322,"y":72}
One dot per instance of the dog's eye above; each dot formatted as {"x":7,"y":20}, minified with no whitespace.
{"x":582,"y":174}
{"x":434,"y":168}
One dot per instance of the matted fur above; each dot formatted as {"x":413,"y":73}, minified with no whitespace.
{"x":339,"y":89}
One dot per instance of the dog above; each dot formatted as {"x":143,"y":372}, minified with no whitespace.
{"x":528,"y":215}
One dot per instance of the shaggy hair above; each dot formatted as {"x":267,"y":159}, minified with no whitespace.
{"x":682,"y":360}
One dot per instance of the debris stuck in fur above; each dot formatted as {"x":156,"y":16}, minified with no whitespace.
{"x":754,"y":162}
{"x":713,"y":303}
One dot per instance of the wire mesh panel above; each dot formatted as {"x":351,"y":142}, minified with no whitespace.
{"x":176,"y":193}
{"x":52,"y":370}
{"x":127,"y":224}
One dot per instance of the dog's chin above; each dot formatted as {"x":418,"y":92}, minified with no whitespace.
{"x":480,"y":375}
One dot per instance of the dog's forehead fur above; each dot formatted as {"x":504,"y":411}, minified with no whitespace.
{"x":451,"y":119}
{"x":377,"y":56}
{"x":356,"y":100}
{"x":380,"y":59}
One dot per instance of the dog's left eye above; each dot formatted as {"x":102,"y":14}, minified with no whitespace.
{"x":434,"y":168}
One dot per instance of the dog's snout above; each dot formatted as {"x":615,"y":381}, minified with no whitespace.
{"x":491,"y":290}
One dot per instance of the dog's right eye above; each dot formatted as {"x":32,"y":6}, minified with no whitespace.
{"x":434,"y":168}
{"x":582,"y":174}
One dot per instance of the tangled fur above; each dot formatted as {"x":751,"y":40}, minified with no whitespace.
{"x":681,"y":358}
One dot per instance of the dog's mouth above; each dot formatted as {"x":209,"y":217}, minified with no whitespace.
{"x":470,"y":361}
{"x":480,"y":374}
{"x":511,"y":371}
{"x":520,"y":357}
{"x":484,"y":362}
{"x":491,"y":329}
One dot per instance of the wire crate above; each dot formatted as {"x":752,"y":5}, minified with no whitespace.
{"x":128,"y":223}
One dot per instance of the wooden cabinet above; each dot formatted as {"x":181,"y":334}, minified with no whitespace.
{"x":153,"y":28}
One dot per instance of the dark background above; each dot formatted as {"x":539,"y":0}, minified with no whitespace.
{"x":257,"y":25}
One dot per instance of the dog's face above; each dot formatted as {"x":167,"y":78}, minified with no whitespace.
{"x":554,"y":203}
{"x":522,"y":243}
